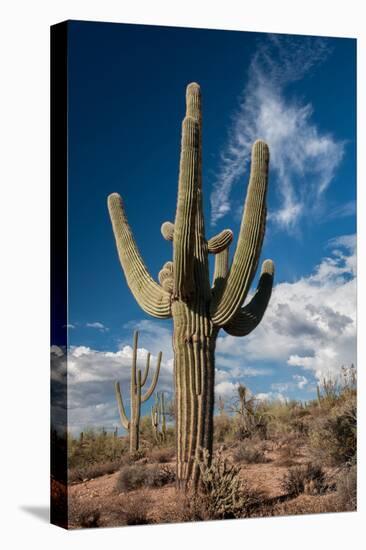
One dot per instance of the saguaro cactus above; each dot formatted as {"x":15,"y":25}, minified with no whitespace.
{"x":138,"y":381}
{"x":158,"y":418}
{"x":185,"y":294}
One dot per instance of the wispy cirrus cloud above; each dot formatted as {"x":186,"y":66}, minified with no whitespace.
{"x":97,"y":325}
{"x":342,"y":211}
{"x":303,"y":158}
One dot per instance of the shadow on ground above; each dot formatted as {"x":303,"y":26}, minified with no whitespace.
{"x":40,"y":512}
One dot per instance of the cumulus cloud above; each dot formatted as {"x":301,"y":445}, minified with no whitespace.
{"x":311,"y":323}
{"x":226,"y":389}
{"x":90,"y":375}
{"x":304,"y":159}
{"x":271,"y":396}
{"x":301,"y":381}
{"x":309,"y":327}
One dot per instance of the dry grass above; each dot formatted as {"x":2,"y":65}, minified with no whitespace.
{"x":135,"y":509}
{"x":84,"y":513}
{"x":346,"y":484}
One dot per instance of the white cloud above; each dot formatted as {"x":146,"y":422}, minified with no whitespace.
{"x":91,"y":375}
{"x":342,"y":211}
{"x":98,"y":326}
{"x":226,"y":389}
{"x":310,"y":323}
{"x":301,"y":381}
{"x":303,"y":159}
{"x":271,"y":396}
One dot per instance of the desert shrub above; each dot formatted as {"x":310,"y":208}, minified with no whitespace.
{"x":332,"y":391}
{"x":304,"y":479}
{"x":95,"y":447}
{"x":140,"y":475}
{"x":135,"y":509}
{"x":160,"y":476}
{"x":249,"y":454}
{"x":135,"y":456}
{"x":162,"y":456}
{"x":223,"y":428}
{"x":347,"y":489}
{"x":83,"y":513}
{"x":187,"y":507}
{"x":93,"y":471}
{"x":241,"y":432}
{"x":132,"y":477}
{"x":333,"y":437}
{"x":223,"y":494}
{"x":89,"y":518}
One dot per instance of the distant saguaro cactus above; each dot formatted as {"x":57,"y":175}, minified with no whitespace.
{"x":158,"y":418}
{"x":138,"y":380}
{"x":185,"y":294}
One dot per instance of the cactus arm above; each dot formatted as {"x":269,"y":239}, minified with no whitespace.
{"x":167,"y":230}
{"x":146,"y":371}
{"x":166,"y":277}
{"x":122,"y":413}
{"x":249,"y":317}
{"x":183,"y":244}
{"x":154,"y":381}
{"x":149,"y":295}
{"x":219,"y":242}
{"x":221,"y":270}
{"x":242,"y":271}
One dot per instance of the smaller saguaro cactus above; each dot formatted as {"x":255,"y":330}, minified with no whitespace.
{"x":158,"y":418}
{"x":138,"y":381}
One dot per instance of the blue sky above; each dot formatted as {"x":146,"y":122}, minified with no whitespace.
{"x":126,"y":103}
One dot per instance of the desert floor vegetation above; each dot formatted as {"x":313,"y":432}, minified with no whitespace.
{"x":270,"y":459}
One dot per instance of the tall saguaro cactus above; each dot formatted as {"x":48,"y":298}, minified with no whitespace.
{"x":185,"y":294}
{"x":138,"y":381}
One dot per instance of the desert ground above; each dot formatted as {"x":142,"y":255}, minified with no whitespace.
{"x":270,"y":459}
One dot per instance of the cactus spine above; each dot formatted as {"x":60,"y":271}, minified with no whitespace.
{"x":138,"y":381}
{"x":184,"y":293}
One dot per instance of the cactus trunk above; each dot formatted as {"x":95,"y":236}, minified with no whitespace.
{"x":134,"y":438}
{"x":194,"y":340}
{"x":185,"y":295}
